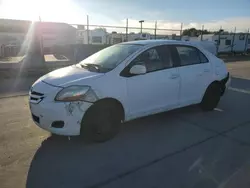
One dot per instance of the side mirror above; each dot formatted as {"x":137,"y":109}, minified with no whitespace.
{"x":138,"y":69}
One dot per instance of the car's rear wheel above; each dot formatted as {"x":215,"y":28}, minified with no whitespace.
{"x":211,"y":98}
{"x":101,"y":123}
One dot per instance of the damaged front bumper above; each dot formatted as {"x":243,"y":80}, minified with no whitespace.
{"x":59,"y":118}
{"x":62,"y":118}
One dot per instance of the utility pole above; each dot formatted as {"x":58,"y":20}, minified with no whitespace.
{"x":232,"y":45}
{"x":141,"y":21}
{"x":40,"y":33}
{"x":87,"y":29}
{"x":127,"y":30}
{"x":218,"y":42}
{"x":202,"y":32}
{"x":181,"y":31}
{"x":246,"y":43}
{"x":155,"y":28}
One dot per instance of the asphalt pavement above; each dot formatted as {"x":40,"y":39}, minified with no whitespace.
{"x":181,"y":148}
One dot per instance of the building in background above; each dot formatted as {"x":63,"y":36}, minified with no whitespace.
{"x":96,"y":36}
{"x":188,"y":38}
{"x":11,"y":43}
{"x":115,"y":38}
{"x":16,"y":36}
{"x":139,"y":36}
{"x":101,"y":36}
{"x":12,"y":36}
{"x":56,"y":34}
{"x":229,"y":42}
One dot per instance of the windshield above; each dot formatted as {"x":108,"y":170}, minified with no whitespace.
{"x":108,"y":58}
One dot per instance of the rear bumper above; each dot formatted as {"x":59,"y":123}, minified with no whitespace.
{"x":225,"y":82}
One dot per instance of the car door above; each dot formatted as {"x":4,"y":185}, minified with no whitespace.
{"x":157,"y":90}
{"x":195,"y":74}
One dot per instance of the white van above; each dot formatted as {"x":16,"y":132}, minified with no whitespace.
{"x":124,"y":82}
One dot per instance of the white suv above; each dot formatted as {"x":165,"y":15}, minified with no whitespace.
{"x":124,"y":82}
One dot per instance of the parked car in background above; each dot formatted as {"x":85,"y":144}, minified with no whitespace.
{"x":124,"y":82}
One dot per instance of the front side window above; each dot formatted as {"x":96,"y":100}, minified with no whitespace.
{"x":154,"y":59}
{"x":248,"y":41}
{"x":188,"y":55}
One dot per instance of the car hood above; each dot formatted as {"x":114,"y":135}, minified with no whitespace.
{"x":69,"y":75}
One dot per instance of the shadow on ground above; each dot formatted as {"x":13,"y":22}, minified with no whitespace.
{"x":63,"y":163}
{"x":160,"y":150}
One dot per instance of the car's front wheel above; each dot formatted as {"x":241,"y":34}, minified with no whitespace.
{"x":101,"y":123}
{"x":211,"y":97}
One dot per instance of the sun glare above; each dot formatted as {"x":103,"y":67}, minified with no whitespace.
{"x":15,"y":9}
{"x":46,"y":10}
{"x":57,"y":10}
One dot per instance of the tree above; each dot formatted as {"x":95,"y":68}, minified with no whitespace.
{"x":194,"y":32}
{"x":221,"y":31}
{"x":190,"y":32}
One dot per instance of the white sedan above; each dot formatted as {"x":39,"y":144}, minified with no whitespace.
{"x":124,"y":82}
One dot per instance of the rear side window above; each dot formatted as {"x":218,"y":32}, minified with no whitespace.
{"x":203,"y":58}
{"x":188,"y":55}
{"x":228,"y":42}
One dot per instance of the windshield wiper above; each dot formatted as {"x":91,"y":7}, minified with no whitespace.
{"x":90,"y":66}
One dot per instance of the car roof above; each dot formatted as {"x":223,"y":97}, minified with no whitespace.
{"x":152,"y":43}
{"x":155,"y":42}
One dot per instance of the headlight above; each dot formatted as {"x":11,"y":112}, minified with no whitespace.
{"x":76,"y":93}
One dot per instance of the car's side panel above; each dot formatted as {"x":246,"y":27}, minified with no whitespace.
{"x":115,"y":86}
{"x":112,"y":86}
{"x":191,"y":84}
{"x":194,"y":79}
{"x":152,"y":92}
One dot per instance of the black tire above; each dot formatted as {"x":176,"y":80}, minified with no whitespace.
{"x":101,"y":123}
{"x":211,"y":98}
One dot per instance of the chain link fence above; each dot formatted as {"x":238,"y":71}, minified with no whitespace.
{"x":91,"y":38}
{"x":73,"y":42}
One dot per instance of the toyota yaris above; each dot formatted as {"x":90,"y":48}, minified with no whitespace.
{"x":124,"y":82}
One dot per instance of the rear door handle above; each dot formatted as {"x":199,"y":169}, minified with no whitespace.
{"x":174,"y":76}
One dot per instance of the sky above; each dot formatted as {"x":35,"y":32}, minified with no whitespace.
{"x":213,"y":14}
